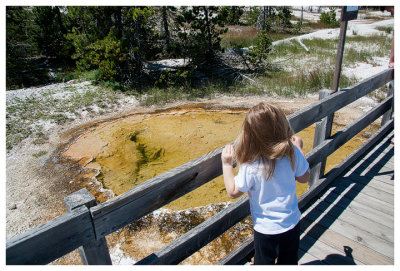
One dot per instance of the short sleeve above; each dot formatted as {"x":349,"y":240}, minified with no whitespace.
{"x":301,"y":163}
{"x":243,"y":181}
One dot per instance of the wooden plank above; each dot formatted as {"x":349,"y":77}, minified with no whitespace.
{"x":381,"y":173}
{"x":376,"y":167}
{"x":190,"y":242}
{"x":315,"y":112}
{"x":353,"y":233}
{"x":308,"y":259}
{"x":373,"y":183}
{"x":361,"y":253}
{"x":51,"y":240}
{"x":155,"y":193}
{"x":344,"y":215}
{"x":384,"y":157}
{"x":387,"y":178}
{"x":351,"y":203}
{"x":351,"y":195}
{"x":342,"y":166}
{"x":362,"y":181}
{"x":340,"y":138}
{"x":379,"y":154}
{"x":324,"y":253}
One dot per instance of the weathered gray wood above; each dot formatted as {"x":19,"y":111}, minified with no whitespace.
{"x":349,"y":199}
{"x":201,"y":235}
{"x":340,"y":51}
{"x":343,"y":215}
{"x":362,"y":182}
{"x":308,"y":259}
{"x":323,"y":253}
{"x":388,"y":115}
{"x":239,"y":254}
{"x":331,"y":238}
{"x":342,"y":166}
{"x":370,"y":191}
{"x":340,"y":138}
{"x":315,"y":112}
{"x":356,"y":234}
{"x":381,"y":173}
{"x":155,"y":193}
{"x":320,"y":135}
{"x":79,"y":198}
{"x":94,"y":252}
{"x":51,"y":240}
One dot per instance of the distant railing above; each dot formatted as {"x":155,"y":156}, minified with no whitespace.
{"x":86,"y":224}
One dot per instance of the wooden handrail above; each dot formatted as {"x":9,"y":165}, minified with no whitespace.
{"x":51,"y":240}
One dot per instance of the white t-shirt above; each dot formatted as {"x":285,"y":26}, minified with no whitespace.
{"x":273,"y":203}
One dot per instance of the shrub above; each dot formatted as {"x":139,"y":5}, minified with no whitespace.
{"x":259,"y":52}
{"x":329,"y":18}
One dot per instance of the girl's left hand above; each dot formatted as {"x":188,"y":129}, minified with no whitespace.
{"x":227,"y":155}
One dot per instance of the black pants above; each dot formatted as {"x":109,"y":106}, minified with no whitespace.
{"x":283,"y":246}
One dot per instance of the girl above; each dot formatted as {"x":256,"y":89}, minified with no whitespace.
{"x":270,"y":158}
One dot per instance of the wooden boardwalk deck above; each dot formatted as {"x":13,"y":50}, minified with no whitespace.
{"x":352,"y":221}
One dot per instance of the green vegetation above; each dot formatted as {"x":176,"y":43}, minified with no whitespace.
{"x":110,"y":46}
{"x":329,"y":18}
{"x":38,"y":154}
{"x":24,"y":116}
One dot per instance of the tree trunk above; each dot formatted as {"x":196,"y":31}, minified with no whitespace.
{"x":210,"y":50}
{"x":62,"y":28}
{"x":118,"y":19}
{"x":166,"y":30}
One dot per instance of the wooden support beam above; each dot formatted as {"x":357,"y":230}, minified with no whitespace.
{"x":388,"y":115}
{"x":94,"y":252}
{"x":319,"y":136}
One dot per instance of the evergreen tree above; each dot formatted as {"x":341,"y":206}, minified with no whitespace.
{"x":199,"y":33}
{"x":49,"y":32}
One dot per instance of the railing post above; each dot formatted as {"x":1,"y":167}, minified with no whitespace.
{"x":322,"y":132}
{"x":94,"y":252}
{"x":388,"y":115}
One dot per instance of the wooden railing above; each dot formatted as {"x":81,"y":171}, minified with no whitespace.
{"x":86,"y":224}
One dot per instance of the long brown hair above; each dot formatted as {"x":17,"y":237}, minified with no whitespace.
{"x":266,"y":134}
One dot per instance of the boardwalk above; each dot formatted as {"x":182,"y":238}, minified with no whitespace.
{"x":352,"y":221}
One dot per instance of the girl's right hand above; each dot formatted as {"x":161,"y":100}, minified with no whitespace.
{"x":297,"y":141}
{"x":227,"y":155}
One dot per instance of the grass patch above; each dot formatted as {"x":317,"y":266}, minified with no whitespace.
{"x":27,"y":116}
{"x":387,"y":29}
{"x":243,"y":36}
{"x":67,"y":75}
{"x":285,"y":48}
{"x":321,"y":44}
{"x":352,"y":56}
{"x":38,"y":154}
{"x":301,"y":83}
